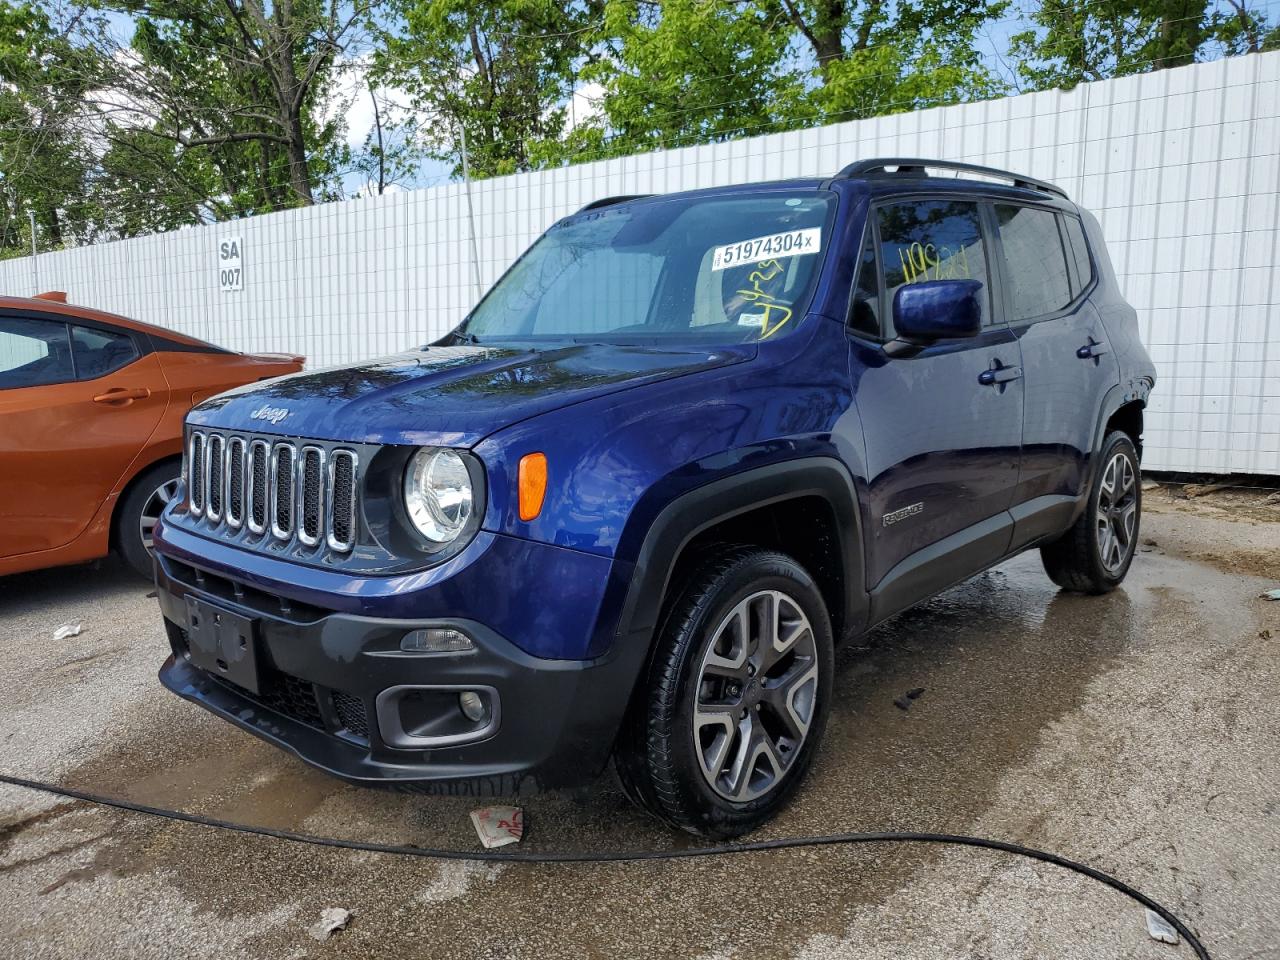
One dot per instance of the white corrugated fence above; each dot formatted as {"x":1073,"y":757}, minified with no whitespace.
{"x":1181,"y":166}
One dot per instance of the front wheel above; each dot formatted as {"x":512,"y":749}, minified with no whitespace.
{"x":1095,"y":554}
{"x":736,"y":696}
{"x":141,"y":509}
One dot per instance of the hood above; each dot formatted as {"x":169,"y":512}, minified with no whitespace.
{"x":450,"y":396}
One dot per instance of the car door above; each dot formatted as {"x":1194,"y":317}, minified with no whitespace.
{"x":1067,"y":362}
{"x":78,"y":400}
{"x":943,"y":427}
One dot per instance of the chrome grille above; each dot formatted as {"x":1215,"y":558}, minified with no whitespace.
{"x":196,"y":479}
{"x":282,"y":491}
{"x":311,"y":481}
{"x":235,"y":482}
{"x":213,"y":453}
{"x":259,"y":474}
{"x":342,"y":500}
{"x":249,"y":487}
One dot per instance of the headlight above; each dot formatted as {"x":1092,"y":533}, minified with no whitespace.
{"x":437,"y":494}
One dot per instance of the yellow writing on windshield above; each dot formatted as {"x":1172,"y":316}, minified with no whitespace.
{"x":774,"y":314}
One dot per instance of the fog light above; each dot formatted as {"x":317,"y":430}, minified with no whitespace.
{"x":473,"y":706}
{"x":436,"y":640}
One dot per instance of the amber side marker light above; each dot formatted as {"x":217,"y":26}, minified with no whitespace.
{"x":533,"y":484}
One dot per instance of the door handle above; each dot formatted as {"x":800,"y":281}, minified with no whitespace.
{"x":1092,"y":350}
{"x":121,"y":396}
{"x":999,"y":375}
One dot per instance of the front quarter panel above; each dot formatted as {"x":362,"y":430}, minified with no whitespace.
{"x":616,"y":463}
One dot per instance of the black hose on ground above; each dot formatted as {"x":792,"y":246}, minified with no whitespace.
{"x":503,"y":856}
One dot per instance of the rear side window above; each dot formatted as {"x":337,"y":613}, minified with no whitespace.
{"x":932,"y":240}
{"x":33,"y":353}
{"x":99,"y":352}
{"x":864,"y":311}
{"x":1079,"y":253}
{"x":1035,"y":263}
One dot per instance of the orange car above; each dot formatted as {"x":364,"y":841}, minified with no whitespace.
{"x":91,"y":411}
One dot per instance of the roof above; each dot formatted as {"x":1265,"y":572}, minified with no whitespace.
{"x":897,"y":168}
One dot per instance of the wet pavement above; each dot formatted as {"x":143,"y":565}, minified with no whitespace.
{"x":1137,"y":732}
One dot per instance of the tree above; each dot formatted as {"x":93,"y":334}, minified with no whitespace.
{"x":691,"y":71}
{"x":221,"y":75}
{"x":45,"y":159}
{"x":1073,"y":41}
{"x":874,"y":58}
{"x":683,"y":72}
{"x":1242,"y":30}
{"x":497,"y":72}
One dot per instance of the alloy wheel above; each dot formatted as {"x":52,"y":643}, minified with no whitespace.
{"x":1117,"y":512}
{"x":756,"y":692}
{"x":151,"y":510}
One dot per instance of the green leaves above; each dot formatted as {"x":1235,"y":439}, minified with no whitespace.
{"x":1074,"y":41}
{"x":45,"y":155}
{"x":214,"y":109}
{"x":496,"y":72}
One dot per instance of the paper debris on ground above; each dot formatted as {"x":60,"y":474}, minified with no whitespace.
{"x":1160,"y":929}
{"x":498,"y":826}
{"x":331,"y":920}
{"x":1271,"y":594}
{"x":71,"y":629}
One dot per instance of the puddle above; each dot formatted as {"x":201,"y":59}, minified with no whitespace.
{"x":999,"y":658}
{"x":1003,"y":660}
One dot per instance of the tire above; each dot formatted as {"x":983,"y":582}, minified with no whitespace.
{"x":1095,"y":554}
{"x":692,"y":775}
{"x":153,"y":488}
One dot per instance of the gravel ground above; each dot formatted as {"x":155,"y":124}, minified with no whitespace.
{"x":1137,"y":732}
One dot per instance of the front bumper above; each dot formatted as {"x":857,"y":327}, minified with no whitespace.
{"x":323,"y":679}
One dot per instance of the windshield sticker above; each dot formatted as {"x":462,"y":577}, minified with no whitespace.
{"x":752,"y":320}
{"x":793,"y":243}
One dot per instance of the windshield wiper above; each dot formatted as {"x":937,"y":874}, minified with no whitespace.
{"x":465,"y":337}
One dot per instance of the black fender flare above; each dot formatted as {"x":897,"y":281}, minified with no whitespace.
{"x":1115,"y":398}
{"x":695,"y":511}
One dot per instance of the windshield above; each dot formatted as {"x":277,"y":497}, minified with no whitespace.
{"x":737,"y":268}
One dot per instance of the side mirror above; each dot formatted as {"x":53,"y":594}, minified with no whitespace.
{"x":934,"y":310}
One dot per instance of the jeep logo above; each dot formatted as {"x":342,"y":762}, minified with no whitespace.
{"x":271,"y":414}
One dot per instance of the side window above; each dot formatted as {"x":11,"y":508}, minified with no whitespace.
{"x":1035,"y":263}
{"x":932,"y":240}
{"x":98,"y":352}
{"x":1083,"y":275}
{"x":864,"y":310}
{"x":33,"y":353}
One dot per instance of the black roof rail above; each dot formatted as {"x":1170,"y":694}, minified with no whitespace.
{"x":915,"y":167}
{"x":610,"y":201}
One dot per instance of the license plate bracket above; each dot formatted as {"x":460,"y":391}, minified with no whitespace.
{"x":223,"y":642}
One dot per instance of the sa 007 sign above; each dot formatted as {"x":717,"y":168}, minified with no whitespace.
{"x":230,"y":268}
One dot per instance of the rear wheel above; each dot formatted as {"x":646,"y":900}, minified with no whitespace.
{"x":736,"y":696}
{"x":1095,"y":554}
{"x":138,"y":514}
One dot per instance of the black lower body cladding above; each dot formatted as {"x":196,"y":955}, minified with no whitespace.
{"x":337,"y":691}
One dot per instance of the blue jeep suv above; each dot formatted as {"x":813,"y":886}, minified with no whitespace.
{"x":626,"y":508}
